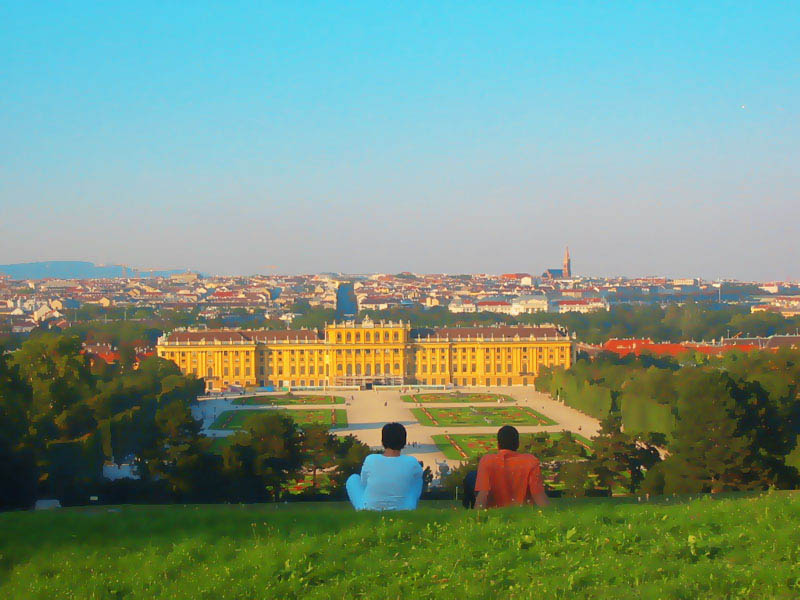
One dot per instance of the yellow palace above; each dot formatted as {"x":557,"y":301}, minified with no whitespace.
{"x":366,"y":354}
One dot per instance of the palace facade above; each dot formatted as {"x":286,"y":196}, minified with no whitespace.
{"x":368,"y":353}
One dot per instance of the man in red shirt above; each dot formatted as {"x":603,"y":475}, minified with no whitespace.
{"x":509,"y":477}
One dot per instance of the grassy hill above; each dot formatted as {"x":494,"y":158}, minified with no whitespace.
{"x":743,"y":546}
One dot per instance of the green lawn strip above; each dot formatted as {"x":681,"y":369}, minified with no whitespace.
{"x":219,"y":444}
{"x":733,"y":547}
{"x":466,"y":397}
{"x":480,"y":416}
{"x":235,"y":419}
{"x":288,"y":400}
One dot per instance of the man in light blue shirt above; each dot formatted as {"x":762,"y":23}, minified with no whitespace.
{"x":388,"y":481}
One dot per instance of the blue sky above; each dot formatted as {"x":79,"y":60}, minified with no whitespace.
{"x":652,"y":138}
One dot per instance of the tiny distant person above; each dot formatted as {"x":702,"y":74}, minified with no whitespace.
{"x":388,"y":481}
{"x":509,"y":478}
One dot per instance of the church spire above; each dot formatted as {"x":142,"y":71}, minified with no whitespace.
{"x":567,"y":270}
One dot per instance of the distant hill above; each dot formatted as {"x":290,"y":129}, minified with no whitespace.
{"x":70,"y":269}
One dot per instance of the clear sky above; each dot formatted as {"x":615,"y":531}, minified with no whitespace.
{"x":653,"y":138}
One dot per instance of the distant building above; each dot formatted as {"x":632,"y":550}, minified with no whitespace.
{"x":368,"y":353}
{"x":583,"y":305}
{"x":187,"y":277}
{"x":565,"y":272}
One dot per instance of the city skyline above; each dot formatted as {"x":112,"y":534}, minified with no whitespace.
{"x":447,"y":138}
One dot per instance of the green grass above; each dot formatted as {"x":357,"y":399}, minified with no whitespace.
{"x":220,"y":443}
{"x":289,"y":399}
{"x":477,"y":444}
{"x":235,"y":419}
{"x":744,"y":547}
{"x":480,"y":416}
{"x":456,"y":397}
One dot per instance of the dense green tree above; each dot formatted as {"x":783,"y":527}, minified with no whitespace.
{"x":18,"y":471}
{"x":620,"y":460}
{"x":265,"y":454}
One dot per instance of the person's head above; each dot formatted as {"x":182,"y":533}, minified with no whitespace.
{"x":508,"y":438}
{"x":393,"y":436}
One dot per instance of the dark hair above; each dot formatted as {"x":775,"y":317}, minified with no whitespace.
{"x":508,"y":438}
{"x":393,"y":436}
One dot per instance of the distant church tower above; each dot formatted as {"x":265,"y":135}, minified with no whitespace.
{"x":567,"y":272}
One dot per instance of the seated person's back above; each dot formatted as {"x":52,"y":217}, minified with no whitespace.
{"x":509,"y":477}
{"x":388,"y":481}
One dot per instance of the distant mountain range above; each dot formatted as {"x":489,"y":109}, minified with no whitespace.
{"x":73,"y":269}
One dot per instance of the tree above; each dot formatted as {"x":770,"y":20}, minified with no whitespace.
{"x":710,"y":452}
{"x":18,"y":472}
{"x":350,"y":455}
{"x":319,"y":449}
{"x":619,"y":459}
{"x":265,"y":454}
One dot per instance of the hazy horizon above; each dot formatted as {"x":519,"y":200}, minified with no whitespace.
{"x":438,"y":138}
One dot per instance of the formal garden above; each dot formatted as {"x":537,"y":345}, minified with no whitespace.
{"x":465,"y":446}
{"x":465,"y":397}
{"x":288,"y":399}
{"x":332,"y":418}
{"x":480,"y":416}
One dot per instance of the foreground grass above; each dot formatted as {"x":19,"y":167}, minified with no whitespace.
{"x":745,"y":547}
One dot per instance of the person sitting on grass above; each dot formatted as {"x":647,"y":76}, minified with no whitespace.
{"x":509,"y":477}
{"x":388,"y":481}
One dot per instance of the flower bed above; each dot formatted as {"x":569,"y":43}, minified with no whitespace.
{"x":480,"y":416}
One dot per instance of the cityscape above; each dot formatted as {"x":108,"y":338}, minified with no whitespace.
{"x":399,"y":301}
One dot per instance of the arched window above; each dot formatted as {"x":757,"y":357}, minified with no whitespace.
{"x":369,"y":369}
{"x":349,"y":369}
{"x":386,"y":368}
{"x":377,"y":368}
{"x":210,"y":372}
{"x":348,"y":336}
{"x":358,"y":369}
{"x":367,"y":337}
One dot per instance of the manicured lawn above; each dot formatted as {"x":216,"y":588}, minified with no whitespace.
{"x":740,"y":547}
{"x":480,"y":416}
{"x":220,"y":443}
{"x":456,"y":397}
{"x":235,"y":419}
{"x":463,"y":446}
{"x":289,"y":399}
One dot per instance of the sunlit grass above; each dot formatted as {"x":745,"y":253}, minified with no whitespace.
{"x":734,"y":547}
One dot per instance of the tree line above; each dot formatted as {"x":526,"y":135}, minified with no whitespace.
{"x":725,"y":423}
{"x":62,"y":418}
